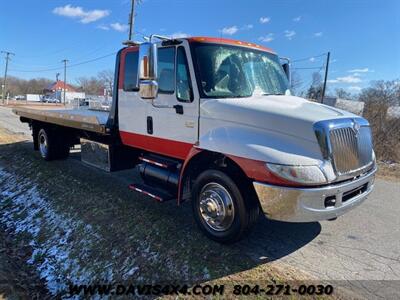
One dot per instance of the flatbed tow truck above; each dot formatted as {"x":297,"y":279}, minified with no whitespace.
{"x":83,"y":119}
{"x":213,"y":121}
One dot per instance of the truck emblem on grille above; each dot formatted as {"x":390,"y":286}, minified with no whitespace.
{"x":356,"y":127}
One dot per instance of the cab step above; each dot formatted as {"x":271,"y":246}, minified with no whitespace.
{"x":160,"y":161}
{"x":155,"y":193}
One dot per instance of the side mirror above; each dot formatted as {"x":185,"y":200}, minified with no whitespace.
{"x":286,"y":69}
{"x":148,"y":86}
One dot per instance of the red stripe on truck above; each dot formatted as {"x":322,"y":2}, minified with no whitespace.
{"x":258,"y":171}
{"x":157,"y":145}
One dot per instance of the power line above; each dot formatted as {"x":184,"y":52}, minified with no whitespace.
{"x":310,"y":68}
{"x":71,"y":45}
{"x":308,"y":58}
{"x":36,"y":71}
{"x":92,"y":60}
{"x":33,"y":66}
{"x":92,"y":52}
{"x":60,"y":68}
{"x":307,"y":84}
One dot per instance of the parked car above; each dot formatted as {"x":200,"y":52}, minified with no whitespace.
{"x":49,"y":99}
{"x":20,"y":97}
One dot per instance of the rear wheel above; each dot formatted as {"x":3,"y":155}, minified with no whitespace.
{"x":50,"y":146}
{"x":220,"y":209}
{"x":43,"y":142}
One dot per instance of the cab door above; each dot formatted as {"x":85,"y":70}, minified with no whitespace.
{"x":174,"y":113}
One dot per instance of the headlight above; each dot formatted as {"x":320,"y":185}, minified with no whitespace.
{"x":307,"y":175}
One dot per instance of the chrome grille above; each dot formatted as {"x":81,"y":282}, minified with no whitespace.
{"x":351,"y":150}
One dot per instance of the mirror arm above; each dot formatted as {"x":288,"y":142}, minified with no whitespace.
{"x":286,"y":68}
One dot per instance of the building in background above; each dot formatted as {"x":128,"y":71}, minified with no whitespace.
{"x":56,"y":91}
{"x":58,"y":86}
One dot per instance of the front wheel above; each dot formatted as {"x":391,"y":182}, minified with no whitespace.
{"x":220,"y":209}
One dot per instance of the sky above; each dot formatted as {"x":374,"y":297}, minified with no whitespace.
{"x":363,"y":36}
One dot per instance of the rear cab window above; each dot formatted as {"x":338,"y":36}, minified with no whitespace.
{"x":130,"y":83}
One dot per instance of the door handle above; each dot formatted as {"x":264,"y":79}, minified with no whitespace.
{"x":149,"y":125}
{"x":178,"y":109}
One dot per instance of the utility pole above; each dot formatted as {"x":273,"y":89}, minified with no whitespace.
{"x":65,"y":77}
{"x":326,"y":76}
{"x":5,"y":74}
{"x":131,"y":20}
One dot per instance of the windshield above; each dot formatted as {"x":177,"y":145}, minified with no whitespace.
{"x":230,"y":71}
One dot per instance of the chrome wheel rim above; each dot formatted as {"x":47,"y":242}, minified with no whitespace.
{"x":43,"y":145}
{"x":216,"y":207}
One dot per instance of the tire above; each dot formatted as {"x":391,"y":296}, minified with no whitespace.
{"x":220,"y":209}
{"x":50,"y":146}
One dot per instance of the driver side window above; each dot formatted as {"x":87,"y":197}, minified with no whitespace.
{"x":166,"y":70}
{"x":184,"y":91}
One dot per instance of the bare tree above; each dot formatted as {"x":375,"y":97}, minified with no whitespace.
{"x":107,"y":77}
{"x":343,"y":94}
{"x":386,"y":131}
{"x":90,"y":85}
{"x":382,"y":91}
{"x":315,"y":89}
{"x":18,"y":86}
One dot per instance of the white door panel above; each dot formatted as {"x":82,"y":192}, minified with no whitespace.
{"x":167,"y":124}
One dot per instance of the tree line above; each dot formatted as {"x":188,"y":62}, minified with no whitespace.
{"x":93,"y":85}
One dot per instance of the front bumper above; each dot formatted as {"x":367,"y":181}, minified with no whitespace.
{"x":308,"y":204}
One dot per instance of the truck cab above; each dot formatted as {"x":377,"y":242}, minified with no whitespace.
{"x":213,"y":121}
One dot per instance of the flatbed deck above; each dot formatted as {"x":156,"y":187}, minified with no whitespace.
{"x":82,"y":118}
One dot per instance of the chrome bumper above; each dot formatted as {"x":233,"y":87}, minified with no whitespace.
{"x":308,"y":204}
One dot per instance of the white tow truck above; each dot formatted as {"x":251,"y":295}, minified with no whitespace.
{"x":213,"y":121}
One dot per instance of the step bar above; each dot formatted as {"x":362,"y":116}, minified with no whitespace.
{"x":155,"y":193}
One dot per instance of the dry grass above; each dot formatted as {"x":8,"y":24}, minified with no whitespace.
{"x":8,"y":137}
{"x":386,"y":137}
{"x":389,"y":171}
{"x":385,"y":131}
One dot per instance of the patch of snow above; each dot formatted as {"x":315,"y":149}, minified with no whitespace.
{"x":55,"y":258}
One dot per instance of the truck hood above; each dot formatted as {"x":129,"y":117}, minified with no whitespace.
{"x":287,"y":115}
